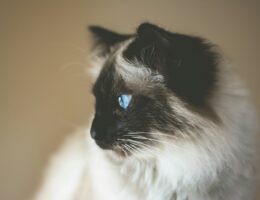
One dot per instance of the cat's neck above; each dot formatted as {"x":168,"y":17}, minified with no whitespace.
{"x":140,"y":178}
{"x":143,"y":177}
{"x":135,"y":179}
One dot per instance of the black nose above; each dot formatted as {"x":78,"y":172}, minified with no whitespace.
{"x":102,"y":136}
{"x":102,"y":141}
{"x":96,"y":128}
{"x":103,"y":133}
{"x":93,"y":134}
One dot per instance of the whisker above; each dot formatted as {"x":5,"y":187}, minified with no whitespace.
{"x":153,"y":133}
{"x":151,"y":139}
{"x":122,"y":148}
{"x":131,"y":150}
{"x":138,"y":151}
{"x":141,"y":144}
{"x":134,"y":147}
{"x":171,"y":145}
{"x":151,"y":151}
{"x":138,"y":146}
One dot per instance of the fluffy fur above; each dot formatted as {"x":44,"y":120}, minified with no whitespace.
{"x":195,"y":147}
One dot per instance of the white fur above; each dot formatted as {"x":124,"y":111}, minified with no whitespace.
{"x":66,"y":170}
{"x":213,"y":164}
{"x":134,"y":73}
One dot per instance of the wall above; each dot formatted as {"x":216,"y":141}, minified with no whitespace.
{"x":43,"y":86}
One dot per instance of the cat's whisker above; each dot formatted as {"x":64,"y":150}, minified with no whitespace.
{"x":135,"y":133}
{"x":152,"y":151}
{"x":121,"y":148}
{"x":137,"y":147}
{"x":124,"y":148}
{"x":142,"y":138}
{"x":139,"y":152}
{"x":131,"y":150}
{"x":142,"y":145}
{"x":153,"y":148}
{"x":153,"y":133}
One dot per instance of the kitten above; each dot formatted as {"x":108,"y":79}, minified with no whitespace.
{"x":171,"y":121}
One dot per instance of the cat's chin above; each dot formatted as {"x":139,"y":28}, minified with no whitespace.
{"x":116,"y":155}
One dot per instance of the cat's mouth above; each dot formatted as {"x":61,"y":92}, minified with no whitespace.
{"x":104,"y":145}
{"x":119,"y":150}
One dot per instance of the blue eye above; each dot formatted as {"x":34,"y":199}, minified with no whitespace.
{"x":124,"y":100}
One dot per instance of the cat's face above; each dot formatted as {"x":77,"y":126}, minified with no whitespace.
{"x":149,"y":86}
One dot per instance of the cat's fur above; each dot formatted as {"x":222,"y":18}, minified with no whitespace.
{"x":190,"y":119}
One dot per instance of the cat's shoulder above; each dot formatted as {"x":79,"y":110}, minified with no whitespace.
{"x":65,"y":170}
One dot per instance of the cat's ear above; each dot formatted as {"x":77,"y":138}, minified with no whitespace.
{"x":187,"y":63}
{"x":150,"y":46}
{"x":154,"y":34}
{"x":104,"y":39}
{"x":154,"y":51}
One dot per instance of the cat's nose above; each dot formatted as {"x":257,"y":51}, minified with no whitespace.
{"x":93,"y":134}
{"x":103,"y":139}
{"x":106,"y":136}
{"x":103,"y":132}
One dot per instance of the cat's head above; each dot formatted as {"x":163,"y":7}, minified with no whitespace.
{"x":151,"y":85}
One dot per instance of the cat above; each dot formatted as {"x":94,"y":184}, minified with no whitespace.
{"x":172,"y":122}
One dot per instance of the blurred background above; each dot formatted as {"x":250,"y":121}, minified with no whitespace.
{"x":45,"y":92}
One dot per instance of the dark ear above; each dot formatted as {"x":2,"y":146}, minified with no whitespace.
{"x":153,"y":33}
{"x":188,"y":63}
{"x":104,"y":38}
{"x":149,"y":47}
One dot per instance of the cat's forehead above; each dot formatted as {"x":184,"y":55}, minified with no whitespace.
{"x":120,"y":72}
{"x":107,"y":81}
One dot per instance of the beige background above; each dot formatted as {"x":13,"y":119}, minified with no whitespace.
{"x":44,"y":91}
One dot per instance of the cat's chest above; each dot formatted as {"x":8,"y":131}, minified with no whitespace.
{"x":114,"y":183}
{"x":111,"y":185}
{"x":131,"y":181}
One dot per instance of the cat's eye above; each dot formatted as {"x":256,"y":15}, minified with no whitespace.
{"x":124,"y":100}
